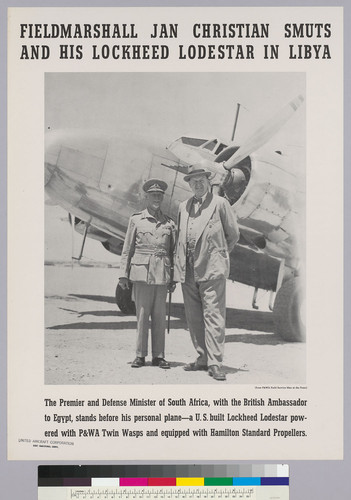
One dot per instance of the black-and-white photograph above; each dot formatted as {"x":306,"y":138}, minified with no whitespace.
{"x":175,"y":228}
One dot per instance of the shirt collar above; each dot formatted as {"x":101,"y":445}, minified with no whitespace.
{"x":202,"y":199}
{"x":146,"y":215}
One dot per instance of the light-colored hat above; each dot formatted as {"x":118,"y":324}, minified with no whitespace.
{"x":155,"y":186}
{"x":197,"y":169}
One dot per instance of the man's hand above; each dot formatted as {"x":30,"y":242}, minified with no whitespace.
{"x":171,"y":286}
{"x":124,"y":283}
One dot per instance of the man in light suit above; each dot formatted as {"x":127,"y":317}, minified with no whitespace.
{"x":207,"y":233}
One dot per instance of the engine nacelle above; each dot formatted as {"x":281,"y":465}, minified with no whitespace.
{"x":268,"y":200}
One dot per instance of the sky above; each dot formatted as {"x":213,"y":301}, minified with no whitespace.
{"x":162,"y":107}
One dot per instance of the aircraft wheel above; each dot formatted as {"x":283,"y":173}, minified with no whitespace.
{"x":288,"y":311}
{"x":124,"y":299}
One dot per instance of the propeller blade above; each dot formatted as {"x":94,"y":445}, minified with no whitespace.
{"x":264,"y":133}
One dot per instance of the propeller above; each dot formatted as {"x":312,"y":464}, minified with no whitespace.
{"x":264,"y":133}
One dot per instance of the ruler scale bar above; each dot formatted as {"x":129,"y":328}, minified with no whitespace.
{"x":163,"y":493}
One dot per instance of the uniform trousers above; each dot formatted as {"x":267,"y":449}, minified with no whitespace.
{"x":204,"y":303}
{"x":150,"y":301}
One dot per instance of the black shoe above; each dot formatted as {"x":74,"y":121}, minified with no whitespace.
{"x":194,"y":367}
{"x":161,"y":363}
{"x":215,"y":372}
{"x":138,"y":362}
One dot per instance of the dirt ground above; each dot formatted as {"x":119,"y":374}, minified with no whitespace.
{"x":89,"y":341}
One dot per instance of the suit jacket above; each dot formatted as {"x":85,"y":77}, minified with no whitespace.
{"x":147,"y":254}
{"x":216,"y":236}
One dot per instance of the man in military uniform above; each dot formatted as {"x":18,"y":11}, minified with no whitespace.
{"x":147,"y":261}
{"x":207,"y":233}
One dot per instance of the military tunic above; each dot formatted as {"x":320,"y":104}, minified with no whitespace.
{"x":147,"y":258}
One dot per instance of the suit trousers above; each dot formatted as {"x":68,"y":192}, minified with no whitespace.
{"x":204,"y":303}
{"x":150,"y":302}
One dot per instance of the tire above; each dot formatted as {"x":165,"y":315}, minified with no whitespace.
{"x":124,"y":299}
{"x":287,"y":311}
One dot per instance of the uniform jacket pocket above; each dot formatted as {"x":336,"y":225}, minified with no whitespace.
{"x":139,"y":258}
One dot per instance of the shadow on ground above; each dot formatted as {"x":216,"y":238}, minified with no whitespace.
{"x":241,"y":319}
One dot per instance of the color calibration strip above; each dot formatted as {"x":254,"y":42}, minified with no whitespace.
{"x":164,"y":476}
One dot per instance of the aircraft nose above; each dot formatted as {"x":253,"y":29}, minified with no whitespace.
{"x":79,"y":154}
{"x":52,"y":147}
{"x":53,"y":141}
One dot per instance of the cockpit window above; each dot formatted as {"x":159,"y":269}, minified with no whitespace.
{"x":192,"y":141}
{"x":220,"y":148}
{"x":211,"y":145}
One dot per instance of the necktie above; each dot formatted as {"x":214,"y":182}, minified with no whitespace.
{"x":197,"y":204}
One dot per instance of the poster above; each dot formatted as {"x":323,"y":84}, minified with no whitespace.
{"x":322,"y":416}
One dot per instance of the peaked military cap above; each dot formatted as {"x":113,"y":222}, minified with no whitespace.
{"x":155,"y":186}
